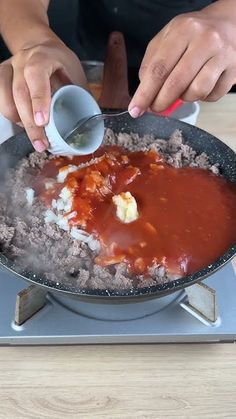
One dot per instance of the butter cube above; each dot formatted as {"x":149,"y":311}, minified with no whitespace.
{"x":126,"y":207}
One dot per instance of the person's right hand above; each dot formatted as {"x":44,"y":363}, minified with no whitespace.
{"x":27,"y":80}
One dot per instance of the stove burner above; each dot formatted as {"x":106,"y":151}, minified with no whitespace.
{"x":116,"y":311}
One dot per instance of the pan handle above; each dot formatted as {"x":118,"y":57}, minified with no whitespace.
{"x":115,"y":89}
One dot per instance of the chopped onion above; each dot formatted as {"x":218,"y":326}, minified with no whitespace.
{"x":79,"y":234}
{"x":60,"y":204}
{"x":30,"y":195}
{"x":65,"y":194}
{"x":66,"y":200}
{"x":50,"y":217}
{"x":94,"y":244}
{"x":64,"y":171}
{"x":68,"y":206}
{"x":71,"y":215}
{"x":85,"y":237}
{"x":63,"y":224}
{"x":49,"y":184}
{"x":54,"y":203}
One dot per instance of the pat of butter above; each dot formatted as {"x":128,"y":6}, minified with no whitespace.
{"x":126,"y":207}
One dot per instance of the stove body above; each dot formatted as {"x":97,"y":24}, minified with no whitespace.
{"x":169,"y":322}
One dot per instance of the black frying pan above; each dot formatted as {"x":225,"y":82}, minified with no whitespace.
{"x":19,"y":146}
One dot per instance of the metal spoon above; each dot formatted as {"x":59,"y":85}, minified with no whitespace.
{"x":79,"y":134}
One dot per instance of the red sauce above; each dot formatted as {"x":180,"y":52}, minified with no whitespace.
{"x":186,"y":216}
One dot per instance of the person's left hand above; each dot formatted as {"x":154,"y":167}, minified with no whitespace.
{"x":192,"y":58}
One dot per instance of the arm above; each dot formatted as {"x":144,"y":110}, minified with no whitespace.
{"x":193,"y":58}
{"x":40,"y":64}
{"x":24,"y":23}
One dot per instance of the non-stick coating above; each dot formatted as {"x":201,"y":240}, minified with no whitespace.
{"x":17,"y":147}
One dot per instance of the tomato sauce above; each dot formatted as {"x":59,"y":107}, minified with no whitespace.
{"x":186,"y":215}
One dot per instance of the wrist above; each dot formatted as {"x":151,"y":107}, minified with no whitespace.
{"x":35,"y":35}
{"x":23,"y":23}
{"x":222,"y":9}
{"x":42,"y":35}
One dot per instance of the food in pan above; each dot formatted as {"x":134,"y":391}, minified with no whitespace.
{"x":140,"y":211}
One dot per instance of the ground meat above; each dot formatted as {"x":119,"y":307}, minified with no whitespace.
{"x":47,"y":250}
{"x":6,"y":234}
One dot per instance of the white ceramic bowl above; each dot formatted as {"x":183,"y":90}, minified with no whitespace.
{"x":69,"y":104}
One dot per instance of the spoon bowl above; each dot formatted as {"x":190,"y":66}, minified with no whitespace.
{"x":83,"y":130}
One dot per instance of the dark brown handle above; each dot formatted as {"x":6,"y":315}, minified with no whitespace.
{"x":115,"y":90}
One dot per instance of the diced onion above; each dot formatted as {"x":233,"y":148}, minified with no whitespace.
{"x":60,"y":205}
{"x":30,"y":195}
{"x":85,"y":237}
{"x":94,"y":244}
{"x":68,"y":206}
{"x":63,"y":224}
{"x":64,"y":171}
{"x":71,"y":215}
{"x":65,"y":203}
{"x":54,"y":203}
{"x":65,"y":194}
{"x":50,"y":217}
{"x":49,"y":184}
{"x":78,"y":234}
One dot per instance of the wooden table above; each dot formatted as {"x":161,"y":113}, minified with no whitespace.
{"x":219,"y":119}
{"x":126,"y":381}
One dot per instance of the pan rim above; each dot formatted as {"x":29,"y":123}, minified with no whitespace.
{"x":154,"y":291}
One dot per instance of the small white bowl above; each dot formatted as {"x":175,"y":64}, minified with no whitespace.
{"x":70,"y":104}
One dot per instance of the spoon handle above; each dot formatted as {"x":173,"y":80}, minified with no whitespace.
{"x":110,"y":115}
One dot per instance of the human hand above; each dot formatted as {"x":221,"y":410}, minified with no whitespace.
{"x":27,"y":80}
{"x":192,"y":58}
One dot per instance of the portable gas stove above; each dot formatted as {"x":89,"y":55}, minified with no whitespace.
{"x":174,"y":318}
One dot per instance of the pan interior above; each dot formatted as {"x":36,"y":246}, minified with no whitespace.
{"x":19,"y":146}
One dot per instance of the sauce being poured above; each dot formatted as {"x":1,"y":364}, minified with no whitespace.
{"x":186,"y":216}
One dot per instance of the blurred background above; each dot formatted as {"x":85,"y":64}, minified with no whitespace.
{"x":64,"y":18}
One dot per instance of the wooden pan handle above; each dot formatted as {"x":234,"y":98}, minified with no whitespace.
{"x":115,"y":89}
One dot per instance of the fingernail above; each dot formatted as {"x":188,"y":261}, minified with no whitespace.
{"x":135,"y":112}
{"x":39,"y":118}
{"x":39,"y":146}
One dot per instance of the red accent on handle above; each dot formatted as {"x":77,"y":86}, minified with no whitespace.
{"x":172,"y":108}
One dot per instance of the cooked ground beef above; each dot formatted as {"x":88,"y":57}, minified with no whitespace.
{"x":47,"y":250}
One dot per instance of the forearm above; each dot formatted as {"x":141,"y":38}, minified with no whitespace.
{"x":24,"y":23}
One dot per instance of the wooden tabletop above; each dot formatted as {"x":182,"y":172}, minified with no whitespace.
{"x":219,"y":119}
{"x":184,"y":381}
